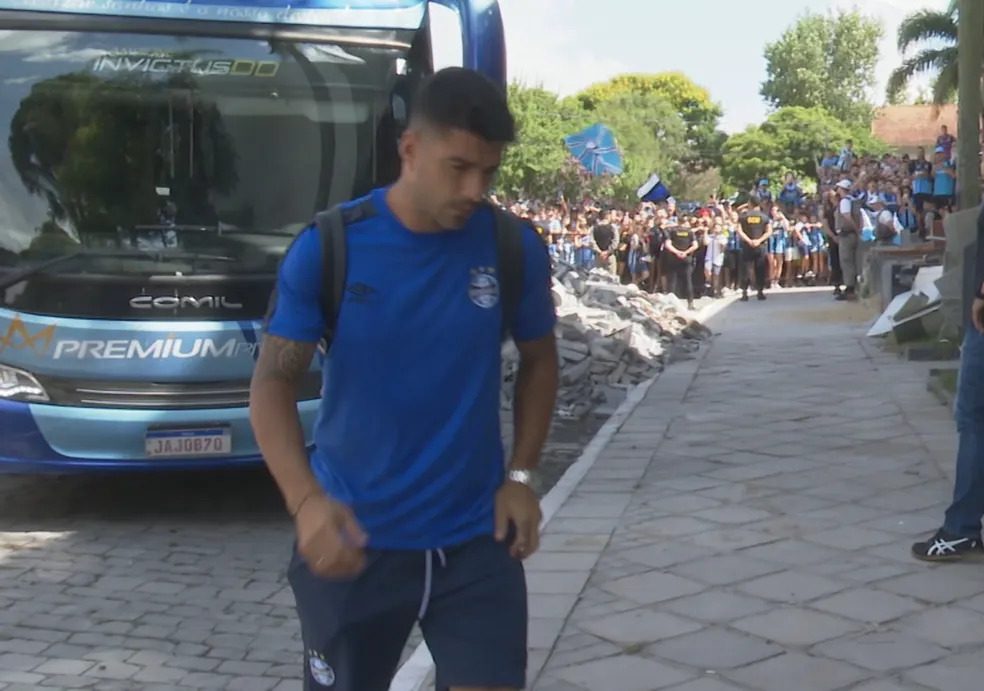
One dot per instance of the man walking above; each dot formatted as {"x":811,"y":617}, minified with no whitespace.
{"x":405,"y":510}
{"x":754,"y":230}
{"x":848,"y":226}
{"x":960,"y":536}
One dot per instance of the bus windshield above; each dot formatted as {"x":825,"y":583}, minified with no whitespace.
{"x":184,"y":144}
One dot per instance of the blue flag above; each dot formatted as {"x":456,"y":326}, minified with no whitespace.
{"x":653,"y":190}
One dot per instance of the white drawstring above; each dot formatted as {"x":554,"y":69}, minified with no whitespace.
{"x":429,"y":577}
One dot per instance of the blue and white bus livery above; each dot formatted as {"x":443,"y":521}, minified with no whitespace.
{"x":160,"y":157}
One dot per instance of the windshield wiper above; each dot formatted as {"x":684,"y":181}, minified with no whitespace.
{"x":155,"y":255}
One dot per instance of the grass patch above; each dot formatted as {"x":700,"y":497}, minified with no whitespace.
{"x":948,"y":380}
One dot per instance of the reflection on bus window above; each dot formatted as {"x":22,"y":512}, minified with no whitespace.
{"x":159,"y":142}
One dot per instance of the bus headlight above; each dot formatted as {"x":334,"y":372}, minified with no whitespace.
{"x":18,"y":385}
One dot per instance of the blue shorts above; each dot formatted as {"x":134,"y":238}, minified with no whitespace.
{"x":470,"y":601}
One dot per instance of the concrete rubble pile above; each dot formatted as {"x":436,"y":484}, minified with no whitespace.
{"x":610,"y":338}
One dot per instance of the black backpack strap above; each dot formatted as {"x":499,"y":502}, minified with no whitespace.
{"x":334,"y":263}
{"x":331,"y":225}
{"x":509,"y":246}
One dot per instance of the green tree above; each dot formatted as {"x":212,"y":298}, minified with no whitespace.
{"x":698,"y":186}
{"x":825,"y":61}
{"x":651,"y":136}
{"x":530,"y":167}
{"x":649,"y":131}
{"x":790,"y":140}
{"x":936,"y":34}
{"x":691,"y":102}
{"x":574,"y":183}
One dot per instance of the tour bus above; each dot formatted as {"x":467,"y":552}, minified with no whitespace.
{"x":157,"y":158}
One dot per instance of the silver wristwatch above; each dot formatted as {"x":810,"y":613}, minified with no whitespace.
{"x":524,"y":477}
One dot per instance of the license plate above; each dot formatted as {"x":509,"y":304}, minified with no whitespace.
{"x":177,"y":443}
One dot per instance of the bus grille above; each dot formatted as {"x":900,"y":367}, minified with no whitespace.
{"x":144,"y":395}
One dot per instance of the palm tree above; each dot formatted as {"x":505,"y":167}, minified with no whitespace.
{"x":939,"y":29}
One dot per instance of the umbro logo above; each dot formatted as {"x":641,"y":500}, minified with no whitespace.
{"x":361,"y":292}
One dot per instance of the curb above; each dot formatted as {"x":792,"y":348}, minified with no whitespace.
{"x":414,"y":673}
{"x":714,"y":308}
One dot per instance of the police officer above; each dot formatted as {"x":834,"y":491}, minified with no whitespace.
{"x":679,"y":248}
{"x":605,"y":241}
{"x":754,"y":230}
{"x":849,"y":224}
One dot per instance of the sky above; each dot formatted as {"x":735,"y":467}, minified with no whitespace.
{"x":566,"y":45}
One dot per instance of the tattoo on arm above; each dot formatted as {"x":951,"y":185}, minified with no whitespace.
{"x":282,"y":359}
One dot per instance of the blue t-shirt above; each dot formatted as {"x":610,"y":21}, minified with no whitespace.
{"x":944,"y":185}
{"x":817,"y":238}
{"x":790,"y":194}
{"x":777,"y":241}
{"x":921,"y":184}
{"x":408,"y":432}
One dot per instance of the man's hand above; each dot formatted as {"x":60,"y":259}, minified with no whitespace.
{"x":517,"y":504}
{"x":329,"y":538}
{"x":977,"y":314}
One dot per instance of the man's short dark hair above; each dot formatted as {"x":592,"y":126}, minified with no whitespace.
{"x":456,"y":98}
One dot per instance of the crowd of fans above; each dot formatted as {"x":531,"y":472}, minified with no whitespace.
{"x":860,"y":200}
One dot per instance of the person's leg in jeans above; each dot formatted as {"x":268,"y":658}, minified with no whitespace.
{"x":698,"y":282}
{"x":964,"y":515}
{"x":961,"y":533}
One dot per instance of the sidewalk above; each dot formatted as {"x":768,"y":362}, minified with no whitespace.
{"x":749,"y":526}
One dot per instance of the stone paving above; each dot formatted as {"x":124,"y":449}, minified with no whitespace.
{"x":749,"y":526}
{"x":144,"y":584}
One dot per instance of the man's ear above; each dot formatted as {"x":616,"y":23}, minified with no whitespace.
{"x":408,"y":146}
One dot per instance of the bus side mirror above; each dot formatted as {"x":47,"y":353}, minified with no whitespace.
{"x":483,"y":40}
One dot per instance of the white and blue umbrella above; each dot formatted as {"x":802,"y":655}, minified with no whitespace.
{"x":653,"y":190}
{"x":595,"y":149}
